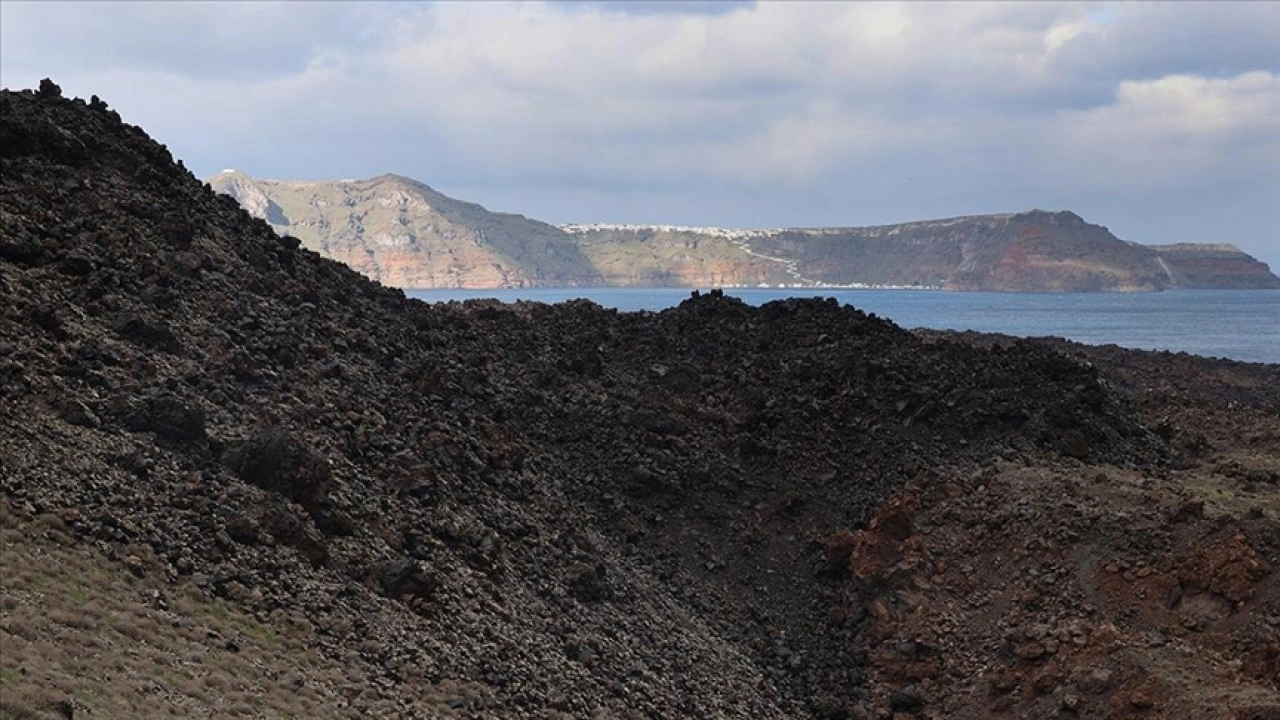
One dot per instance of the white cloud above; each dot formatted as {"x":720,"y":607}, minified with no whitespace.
{"x":1175,"y":130}
{"x":1026,"y":101}
{"x":774,"y":93}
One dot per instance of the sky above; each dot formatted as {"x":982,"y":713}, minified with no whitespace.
{"x":1159,"y":121}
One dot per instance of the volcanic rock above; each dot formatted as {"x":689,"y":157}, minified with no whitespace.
{"x":488,"y":510}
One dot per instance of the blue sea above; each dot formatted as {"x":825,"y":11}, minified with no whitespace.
{"x":1236,"y":324}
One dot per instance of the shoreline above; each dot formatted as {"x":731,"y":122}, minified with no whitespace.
{"x":1208,"y":323}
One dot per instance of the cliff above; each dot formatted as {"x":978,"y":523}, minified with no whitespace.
{"x":401,"y":232}
{"x":404,"y":233}
{"x":1030,"y":251}
{"x":1215,"y":265}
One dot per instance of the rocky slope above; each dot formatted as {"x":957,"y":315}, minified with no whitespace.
{"x":405,"y":234}
{"x":219,"y":450}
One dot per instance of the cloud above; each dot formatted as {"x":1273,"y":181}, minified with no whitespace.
{"x":769,"y":113}
{"x":232,"y":40}
{"x":1176,"y":130}
{"x":773,"y":93}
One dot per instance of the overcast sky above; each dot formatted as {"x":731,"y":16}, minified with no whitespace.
{"x":1159,"y":121}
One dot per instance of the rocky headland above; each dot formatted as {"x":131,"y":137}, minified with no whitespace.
{"x":238,"y":479}
{"x":405,"y":234}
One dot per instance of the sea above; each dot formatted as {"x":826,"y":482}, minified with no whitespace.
{"x":1236,"y":324}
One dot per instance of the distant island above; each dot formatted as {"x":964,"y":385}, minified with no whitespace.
{"x":403,"y":233}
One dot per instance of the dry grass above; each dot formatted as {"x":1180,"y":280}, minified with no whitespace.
{"x":80,"y":634}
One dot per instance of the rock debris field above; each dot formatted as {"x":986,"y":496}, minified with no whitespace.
{"x":237,"y":479}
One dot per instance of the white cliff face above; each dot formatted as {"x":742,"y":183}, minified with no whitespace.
{"x":244,"y":190}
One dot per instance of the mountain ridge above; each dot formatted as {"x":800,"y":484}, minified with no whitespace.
{"x":402,"y":232}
